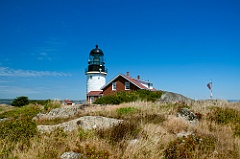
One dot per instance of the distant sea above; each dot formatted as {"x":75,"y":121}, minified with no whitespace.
{"x":233,"y":100}
{"x":9,"y":101}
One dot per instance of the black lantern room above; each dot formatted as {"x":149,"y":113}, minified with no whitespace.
{"x":96,"y":61}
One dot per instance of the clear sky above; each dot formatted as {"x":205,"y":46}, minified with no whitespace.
{"x":179,"y":45}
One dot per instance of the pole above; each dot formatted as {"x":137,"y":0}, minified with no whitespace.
{"x":211,"y":94}
{"x":209,"y":85}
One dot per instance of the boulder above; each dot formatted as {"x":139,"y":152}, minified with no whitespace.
{"x":170,"y":97}
{"x":86,"y":123}
{"x":187,"y":115}
{"x":70,"y":155}
{"x":65,"y":112}
{"x":4,"y":119}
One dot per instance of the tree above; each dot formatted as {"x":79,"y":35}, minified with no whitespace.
{"x":20,"y":101}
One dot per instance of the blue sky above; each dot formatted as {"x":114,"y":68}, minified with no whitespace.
{"x":178,"y":45}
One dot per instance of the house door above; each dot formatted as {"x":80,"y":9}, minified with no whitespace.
{"x":91,"y":100}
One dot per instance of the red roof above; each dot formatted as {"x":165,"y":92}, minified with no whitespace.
{"x":94,"y":93}
{"x":131,"y":80}
{"x":134,"y":81}
{"x":67,"y":101}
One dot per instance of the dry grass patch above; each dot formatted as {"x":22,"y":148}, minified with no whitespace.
{"x":148,"y":131}
{"x":176,"y":125}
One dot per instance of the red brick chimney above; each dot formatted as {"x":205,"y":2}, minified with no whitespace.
{"x":138,"y":77}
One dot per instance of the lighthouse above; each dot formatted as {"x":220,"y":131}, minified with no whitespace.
{"x":96,"y":72}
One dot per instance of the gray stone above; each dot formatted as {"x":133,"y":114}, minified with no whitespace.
{"x":169,"y":97}
{"x":4,"y":119}
{"x":65,"y":112}
{"x":187,"y":115}
{"x":70,"y":155}
{"x":86,"y":122}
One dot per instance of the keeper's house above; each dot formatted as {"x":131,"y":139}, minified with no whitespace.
{"x":126,"y":83}
{"x":120,"y":83}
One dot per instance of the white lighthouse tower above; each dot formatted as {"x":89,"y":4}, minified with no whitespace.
{"x":96,"y":71}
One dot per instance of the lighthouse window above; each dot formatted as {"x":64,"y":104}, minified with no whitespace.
{"x":127,"y":85}
{"x":114,"y":86}
{"x":90,"y":77}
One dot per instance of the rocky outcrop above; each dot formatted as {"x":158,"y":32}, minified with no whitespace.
{"x":187,"y":115}
{"x":169,"y":97}
{"x":64,"y":112}
{"x":86,"y":123}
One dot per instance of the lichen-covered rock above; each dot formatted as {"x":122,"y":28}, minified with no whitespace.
{"x":65,"y":112}
{"x":86,"y":123}
{"x":4,"y":119}
{"x":187,"y":115}
{"x":70,"y":155}
{"x":169,"y":97}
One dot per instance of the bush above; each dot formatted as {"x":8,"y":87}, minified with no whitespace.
{"x":16,"y":134}
{"x":127,"y":110}
{"x":41,"y":102}
{"x":154,"y":118}
{"x":123,"y":130}
{"x":224,"y":115}
{"x":92,"y":151}
{"x":111,"y":99}
{"x":149,"y":95}
{"x":191,"y":146}
{"x":49,"y":105}
{"x":29,"y":111}
{"x":237,"y":130}
{"x":20,"y":101}
{"x":121,"y":97}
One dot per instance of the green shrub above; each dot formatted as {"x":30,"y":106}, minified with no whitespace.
{"x":41,"y":102}
{"x":20,"y":101}
{"x":50,"y":145}
{"x":146,"y":95}
{"x":51,"y":105}
{"x":18,"y":129}
{"x":16,"y":132}
{"x":85,"y":134}
{"x":237,"y":130}
{"x":91,"y":151}
{"x":123,"y":130}
{"x":29,"y":111}
{"x":121,"y":97}
{"x":191,"y":146}
{"x":127,"y":110}
{"x":111,"y":99}
{"x":154,"y":118}
{"x":224,"y":115}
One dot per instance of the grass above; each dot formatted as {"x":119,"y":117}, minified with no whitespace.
{"x":149,"y":130}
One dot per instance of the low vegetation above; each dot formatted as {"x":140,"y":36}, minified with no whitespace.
{"x":149,"y":130}
{"x":124,"y":97}
{"x":20,"y":101}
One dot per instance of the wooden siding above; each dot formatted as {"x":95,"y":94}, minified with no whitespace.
{"x":120,"y":86}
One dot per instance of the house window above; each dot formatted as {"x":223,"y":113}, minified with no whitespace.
{"x":114,"y":86}
{"x":127,"y":85}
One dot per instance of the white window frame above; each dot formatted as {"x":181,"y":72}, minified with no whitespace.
{"x":127,"y":85}
{"x":114,"y":86}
